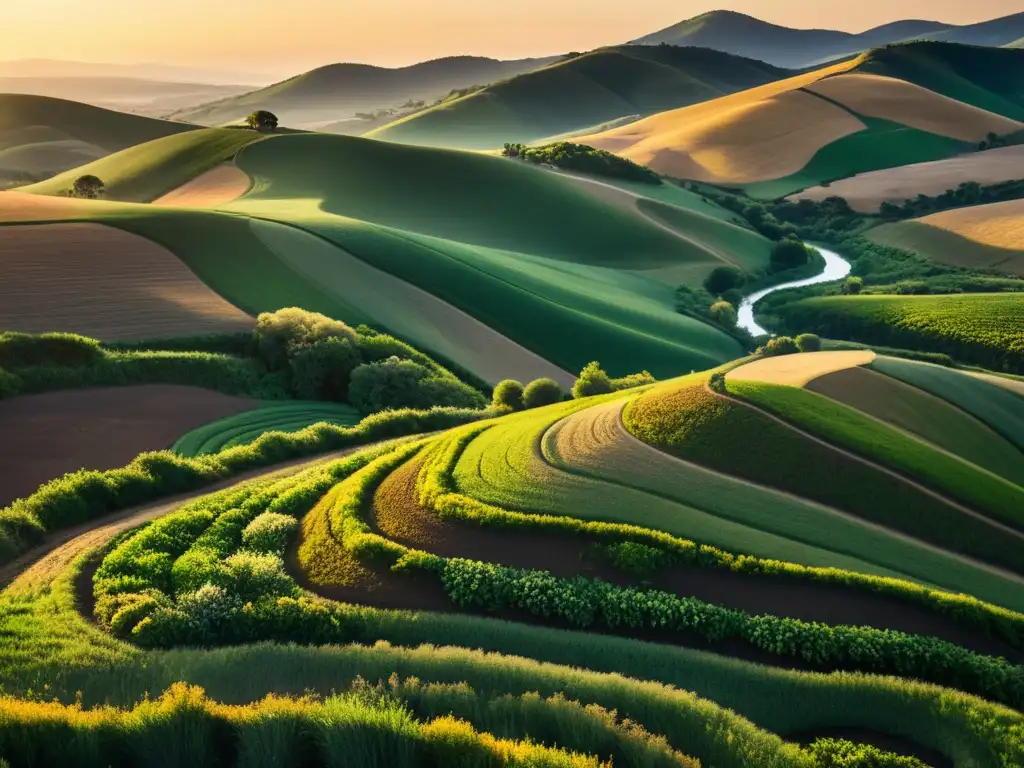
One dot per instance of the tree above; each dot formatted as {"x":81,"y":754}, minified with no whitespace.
{"x":724,"y":313}
{"x":853,"y":285}
{"x":723,"y":279}
{"x":508,"y":394}
{"x":395,"y":383}
{"x":321,"y":371}
{"x":788,"y":254}
{"x":88,"y":186}
{"x":808,"y":342}
{"x":780,"y":345}
{"x":262,"y":121}
{"x":541,"y":392}
{"x":592,"y":381}
{"x":278,"y":333}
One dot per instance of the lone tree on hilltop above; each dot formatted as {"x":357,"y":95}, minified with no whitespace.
{"x":263,"y":121}
{"x":89,"y":187}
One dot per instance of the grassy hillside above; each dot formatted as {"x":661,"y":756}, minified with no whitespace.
{"x":496,"y":239}
{"x":341,"y":90}
{"x":787,"y":47}
{"x":146,"y":171}
{"x":584,"y":91}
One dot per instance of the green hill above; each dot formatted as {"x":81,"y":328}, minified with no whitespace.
{"x":578,"y":93}
{"x":745,"y":35}
{"x":337,"y":91}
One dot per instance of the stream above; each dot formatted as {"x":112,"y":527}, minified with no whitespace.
{"x":836,"y":268}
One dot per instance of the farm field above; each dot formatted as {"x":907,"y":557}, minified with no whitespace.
{"x":51,"y":434}
{"x":247,"y":426}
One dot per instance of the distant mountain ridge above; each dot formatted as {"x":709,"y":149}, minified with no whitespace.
{"x":337,"y":91}
{"x":745,"y":35}
{"x":170,"y":73}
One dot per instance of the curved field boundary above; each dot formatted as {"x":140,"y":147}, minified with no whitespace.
{"x":866,"y":192}
{"x":247,"y":426}
{"x":947,"y":247}
{"x":799,"y":370}
{"x":928,"y":417}
{"x":217,"y":186}
{"x":903,"y":102}
{"x":596,"y":442}
{"x":1013,"y":385}
{"x":1000,"y":225}
{"x":993,"y":404}
{"x":18,"y":207}
{"x":405,"y":310}
{"x":104,"y":283}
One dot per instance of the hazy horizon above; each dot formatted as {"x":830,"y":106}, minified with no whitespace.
{"x":311,"y":33}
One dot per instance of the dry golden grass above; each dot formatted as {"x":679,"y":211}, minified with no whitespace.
{"x":866,"y":192}
{"x":799,"y":370}
{"x":218,"y":186}
{"x":997,"y":224}
{"x":902,"y":102}
{"x":103,"y":282}
{"x":17,"y":206}
{"x":756,"y":135}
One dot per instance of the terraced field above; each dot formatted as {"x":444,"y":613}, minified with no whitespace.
{"x":568,"y":536}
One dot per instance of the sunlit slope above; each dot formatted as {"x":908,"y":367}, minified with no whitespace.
{"x":526,"y":251}
{"x":146,"y":171}
{"x":578,"y":93}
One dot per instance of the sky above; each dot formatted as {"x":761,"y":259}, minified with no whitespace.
{"x":284,"y":37}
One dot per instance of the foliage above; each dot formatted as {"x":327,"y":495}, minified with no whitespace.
{"x":779,"y":345}
{"x":722,"y":279}
{"x":968,"y":193}
{"x":22,"y":350}
{"x":269,"y":533}
{"x":840,"y":753}
{"x":592,"y":381}
{"x":88,"y":187}
{"x":395,"y":383}
{"x":541,"y":392}
{"x":262,"y":120}
{"x":724,"y":313}
{"x":853,"y":285}
{"x":10,"y":384}
{"x":580,"y":157}
{"x":279,"y":333}
{"x":788,"y":254}
{"x":808,"y":342}
{"x":322,"y":370}
{"x":508,"y":394}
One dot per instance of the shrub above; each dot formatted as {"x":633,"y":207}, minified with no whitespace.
{"x":581,"y":157}
{"x":724,"y":313}
{"x":641,"y":379}
{"x":788,"y":254}
{"x":22,"y":350}
{"x":250,"y":576}
{"x":840,"y":753}
{"x":269,"y":533}
{"x":321,"y":370}
{"x":723,"y":279}
{"x":592,"y":381}
{"x":277,"y":332}
{"x":10,"y":384}
{"x":508,"y":394}
{"x":541,"y":392}
{"x":395,"y":383}
{"x":808,"y":342}
{"x":853,"y":285}
{"x":780,"y":345}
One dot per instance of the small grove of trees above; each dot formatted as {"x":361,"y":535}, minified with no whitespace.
{"x":538,"y":393}
{"x":722,"y":279}
{"x":786,"y":345}
{"x":594,"y":380}
{"x":583,"y":158}
{"x":788,"y":253}
{"x":966,"y":194}
{"x":87,"y":187}
{"x":724,"y":313}
{"x":262,"y":120}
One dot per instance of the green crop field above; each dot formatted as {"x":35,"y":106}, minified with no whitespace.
{"x":274,"y":417}
{"x":146,"y":171}
{"x":985,"y":329}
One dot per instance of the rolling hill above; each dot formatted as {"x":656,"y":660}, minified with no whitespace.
{"x":337,"y":91}
{"x":745,"y":35}
{"x":580,"y":93}
{"x":911,"y":103}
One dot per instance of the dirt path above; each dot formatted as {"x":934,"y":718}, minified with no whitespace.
{"x":893,"y":473}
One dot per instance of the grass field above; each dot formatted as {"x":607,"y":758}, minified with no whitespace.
{"x":984,"y":329}
{"x":245,"y":427}
{"x":146,"y":171}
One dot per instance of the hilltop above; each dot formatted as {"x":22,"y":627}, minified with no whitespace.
{"x":796,"y":48}
{"x":582,"y":92}
{"x":337,"y":91}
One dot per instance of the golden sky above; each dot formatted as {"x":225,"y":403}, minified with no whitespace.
{"x":282,"y":37}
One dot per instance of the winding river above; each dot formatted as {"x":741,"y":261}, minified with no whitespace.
{"x":836,"y":268}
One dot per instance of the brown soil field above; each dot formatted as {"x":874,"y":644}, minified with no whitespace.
{"x":866,"y":192}
{"x":909,"y":104}
{"x":798,"y":370}
{"x":756,"y":135}
{"x":49,"y":435}
{"x":215,"y":187}
{"x":105,"y":283}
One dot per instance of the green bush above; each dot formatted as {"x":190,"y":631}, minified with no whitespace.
{"x":278,"y":332}
{"x":808,"y":342}
{"x":10,"y":384}
{"x":508,"y":394}
{"x":780,"y":345}
{"x":722,"y":279}
{"x":724,"y":313}
{"x":592,"y":381}
{"x":840,"y":753}
{"x":541,"y":392}
{"x":321,"y":370}
{"x":395,"y":383}
{"x":269,"y":533}
{"x":641,"y":379}
{"x":580,"y":157}
{"x":22,"y":350}
{"x":788,"y":253}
